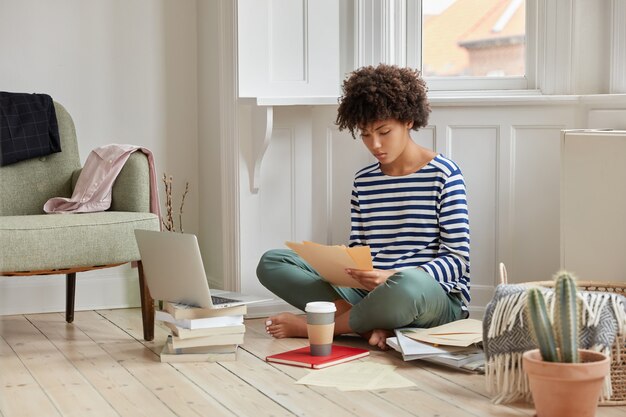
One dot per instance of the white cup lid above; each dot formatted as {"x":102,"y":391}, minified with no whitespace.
{"x":320,"y":307}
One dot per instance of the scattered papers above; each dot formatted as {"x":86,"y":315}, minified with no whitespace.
{"x":471,"y":359}
{"x":413,"y":349}
{"x":389,"y":381}
{"x":454,"y":353}
{"x":331,"y":261}
{"x":357,"y":376}
{"x":461,"y":333}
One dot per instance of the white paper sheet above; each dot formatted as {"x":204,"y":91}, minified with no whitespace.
{"x":356,"y":376}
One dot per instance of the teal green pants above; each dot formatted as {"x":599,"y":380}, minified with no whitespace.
{"x":410,"y":297}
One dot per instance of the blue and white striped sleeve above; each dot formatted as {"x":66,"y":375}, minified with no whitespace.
{"x":356,"y":224}
{"x":451,"y":266}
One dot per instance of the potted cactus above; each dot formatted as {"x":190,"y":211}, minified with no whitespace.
{"x":564,"y":380}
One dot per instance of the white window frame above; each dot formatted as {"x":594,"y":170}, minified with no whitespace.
{"x":388,"y":31}
{"x":561,"y":59}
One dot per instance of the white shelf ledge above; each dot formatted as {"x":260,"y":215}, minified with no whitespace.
{"x":290,"y":101}
{"x":454,"y":98}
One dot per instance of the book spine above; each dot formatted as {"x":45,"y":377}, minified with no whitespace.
{"x":183,"y":333}
{"x":210,"y":322}
{"x":204,"y":323}
{"x":197,"y":357}
{"x":286,"y":362}
{"x":188,"y":313}
{"x":234,"y":339}
{"x":338,"y":361}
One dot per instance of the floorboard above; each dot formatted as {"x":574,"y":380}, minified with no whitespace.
{"x":21,"y":393}
{"x":100,"y":365}
{"x":128,"y":396}
{"x":70,"y":392}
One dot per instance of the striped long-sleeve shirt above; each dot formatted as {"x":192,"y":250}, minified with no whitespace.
{"x":415,"y":220}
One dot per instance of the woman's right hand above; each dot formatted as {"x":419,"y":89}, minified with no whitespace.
{"x":370,"y":279}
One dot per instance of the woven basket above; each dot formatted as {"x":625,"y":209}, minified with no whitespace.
{"x":618,"y":352}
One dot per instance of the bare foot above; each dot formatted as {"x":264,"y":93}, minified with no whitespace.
{"x":286,"y":325}
{"x":378,"y":337}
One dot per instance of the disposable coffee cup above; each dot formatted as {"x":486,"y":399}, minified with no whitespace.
{"x":320,"y":318}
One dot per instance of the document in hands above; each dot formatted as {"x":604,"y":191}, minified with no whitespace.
{"x":331,"y":261}
{"x":457,"y":333}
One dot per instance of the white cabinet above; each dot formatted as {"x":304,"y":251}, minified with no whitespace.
{"x":288,"y":54}
{"x":288,"y":49}
{"x":593,"y":201}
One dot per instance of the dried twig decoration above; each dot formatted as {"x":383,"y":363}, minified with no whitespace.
{"x":182,"y":204}
{"x":168,"y":221}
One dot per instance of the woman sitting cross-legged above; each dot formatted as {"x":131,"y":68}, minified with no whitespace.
{"x":410,"y":208}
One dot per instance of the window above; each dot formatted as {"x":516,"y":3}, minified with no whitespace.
{"x":458,"y":44}
{"x":476,"y":38}
{"x":472,"y":44}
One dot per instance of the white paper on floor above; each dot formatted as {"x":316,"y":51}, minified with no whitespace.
{"x":357,"y":376}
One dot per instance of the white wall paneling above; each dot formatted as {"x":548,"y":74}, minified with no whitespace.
{"x":336,"y":158}
{"x":475,"y":149}
{"x":498,"y":160}
{"x":281,"y":210}
{"x":278,"y":205}
{"x":510,"y":158}
{"x":426,"y":137}
{"x":346,"y":156}
{"x":607,"y":119}
{"x":605,"y":114}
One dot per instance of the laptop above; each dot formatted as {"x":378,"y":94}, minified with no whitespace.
{"x":174,"y":271}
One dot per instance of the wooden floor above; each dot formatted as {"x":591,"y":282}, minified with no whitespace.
{"x":100,"y":366}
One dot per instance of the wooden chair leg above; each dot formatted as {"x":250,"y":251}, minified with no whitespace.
{"x":70,"y":293}
{"x":147,"y":306}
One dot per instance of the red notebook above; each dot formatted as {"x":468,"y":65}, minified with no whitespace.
{"x":302,"y":357}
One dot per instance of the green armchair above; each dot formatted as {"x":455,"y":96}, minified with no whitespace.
{"x":34,"y":243}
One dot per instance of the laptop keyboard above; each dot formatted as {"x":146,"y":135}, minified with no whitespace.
{"x":222,"y":300}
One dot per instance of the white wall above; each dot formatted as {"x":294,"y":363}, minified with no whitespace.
{"x":127,"y":73}
{"x":209,"y":150}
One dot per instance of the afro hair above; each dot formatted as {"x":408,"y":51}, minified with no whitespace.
{"x":384,"y":92}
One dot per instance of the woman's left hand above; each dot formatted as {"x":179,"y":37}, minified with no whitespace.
{"x":372,"y":278}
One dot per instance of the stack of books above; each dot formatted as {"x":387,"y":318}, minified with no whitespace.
{"x":201,"y":334}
